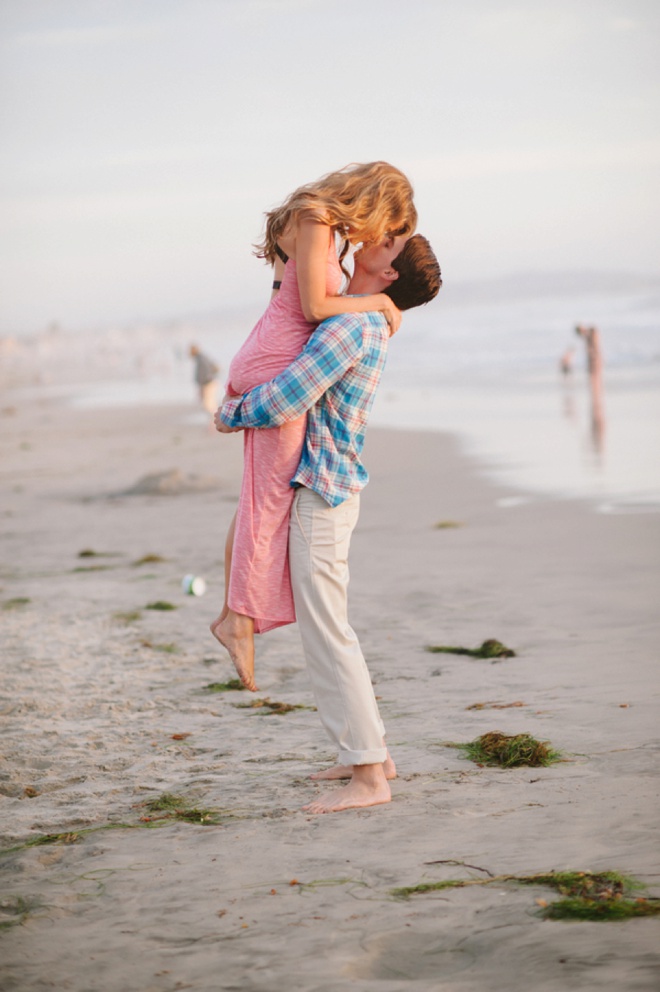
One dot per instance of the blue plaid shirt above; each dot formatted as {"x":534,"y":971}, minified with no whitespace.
{"x":335,"y":379}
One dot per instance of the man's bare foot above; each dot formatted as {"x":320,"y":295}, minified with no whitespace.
{"x":236,"y":634}
{"x":368,"y":787}
{"x":346,"y":771}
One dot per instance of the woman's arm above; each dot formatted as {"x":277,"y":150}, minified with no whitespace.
{"x":331,"y":351}
{"x":312,"y":239}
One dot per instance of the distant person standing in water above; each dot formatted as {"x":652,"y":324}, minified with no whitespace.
{"x":206,"y":377}
{"x":566,"y":361}
{"x":591,"y":338}
{"x":594,"y":354}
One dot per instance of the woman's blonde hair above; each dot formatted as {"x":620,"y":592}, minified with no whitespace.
{"x":363,"y":202}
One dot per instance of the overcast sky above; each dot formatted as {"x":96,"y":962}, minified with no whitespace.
{"x":142,"y":140}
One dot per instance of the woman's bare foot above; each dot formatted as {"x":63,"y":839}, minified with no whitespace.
{"x":368,"y":787}
{"x":236,"y":633}
{"x":218,"y":620}
{"x":346,"y":771}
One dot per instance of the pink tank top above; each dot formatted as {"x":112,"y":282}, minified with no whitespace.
{"x":281,"y":333}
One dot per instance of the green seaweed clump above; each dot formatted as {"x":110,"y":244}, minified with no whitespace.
{"x":582,"y":883}
{"x":149,"y":560}
{"x":592,"y":896}
{"x":597,"y":896}
{"x":92,"y":568}
{"x":42,"y":839}
{"x":165,"y":648}
{"x":16,"y":602}
{"x":267,"y":707}
{"x":489,"y":649}
{"x":172,"y":807}
{"x":90,"y":553}
{"x":509,"y":751}
{"x":424,"y":887}
{"x":232,"y":685}
{"x":160,"y":604}
{"x":127,"y":616}
{"x":67,"y":837}
{"x":601,"y":910}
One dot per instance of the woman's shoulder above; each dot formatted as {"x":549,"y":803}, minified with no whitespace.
{"x":313,"y":232}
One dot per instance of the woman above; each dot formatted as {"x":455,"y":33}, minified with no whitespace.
{"x":357,"y":204}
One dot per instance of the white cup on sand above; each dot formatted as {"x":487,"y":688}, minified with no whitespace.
{"x":193,"y":585}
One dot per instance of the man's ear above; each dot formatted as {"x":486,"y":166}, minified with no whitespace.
{"x":390,"y":275}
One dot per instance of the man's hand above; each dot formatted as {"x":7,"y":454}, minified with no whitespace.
{"x":221,"y":426}
{"x":391,"y":313}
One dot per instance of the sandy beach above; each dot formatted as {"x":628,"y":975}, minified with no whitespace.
{"x":105,"y":708}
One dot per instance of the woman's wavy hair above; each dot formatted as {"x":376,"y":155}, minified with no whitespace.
{"x":362,"y":202}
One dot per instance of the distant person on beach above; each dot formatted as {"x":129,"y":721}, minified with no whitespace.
{"x":370,"y":204}
{"x":591,"y":337}
{"x":206,"y":376}
{"x":566,"y":361}
{"x":334,"y":380}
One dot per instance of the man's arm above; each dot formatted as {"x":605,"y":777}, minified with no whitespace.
{"x":333,"y":348}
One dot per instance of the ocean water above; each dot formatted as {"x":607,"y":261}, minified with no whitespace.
{"x":489,"y":372}
{"x":486,"y":370}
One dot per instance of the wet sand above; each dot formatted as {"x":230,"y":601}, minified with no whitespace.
{"x":104,"y":708}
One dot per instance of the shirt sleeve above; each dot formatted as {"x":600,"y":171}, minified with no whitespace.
{"x":333,"y":348}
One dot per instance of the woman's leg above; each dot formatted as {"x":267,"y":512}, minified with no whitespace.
{"x":229,"y":547}
{"x":234,"y":630}
{"x":257,"y":583}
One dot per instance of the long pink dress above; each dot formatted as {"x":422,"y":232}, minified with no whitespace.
{"x":260,"y":585}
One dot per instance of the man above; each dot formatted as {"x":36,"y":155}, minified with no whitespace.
{"x":335,"y":380}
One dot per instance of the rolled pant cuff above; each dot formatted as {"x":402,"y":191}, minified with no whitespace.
{"x":374,"y":757}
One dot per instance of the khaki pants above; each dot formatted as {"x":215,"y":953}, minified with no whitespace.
{"x":319,"y":539}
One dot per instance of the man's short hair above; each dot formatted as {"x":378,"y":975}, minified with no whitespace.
{"x":419,"y":274}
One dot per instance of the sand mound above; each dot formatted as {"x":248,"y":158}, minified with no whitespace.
{"x":174,"y":482}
